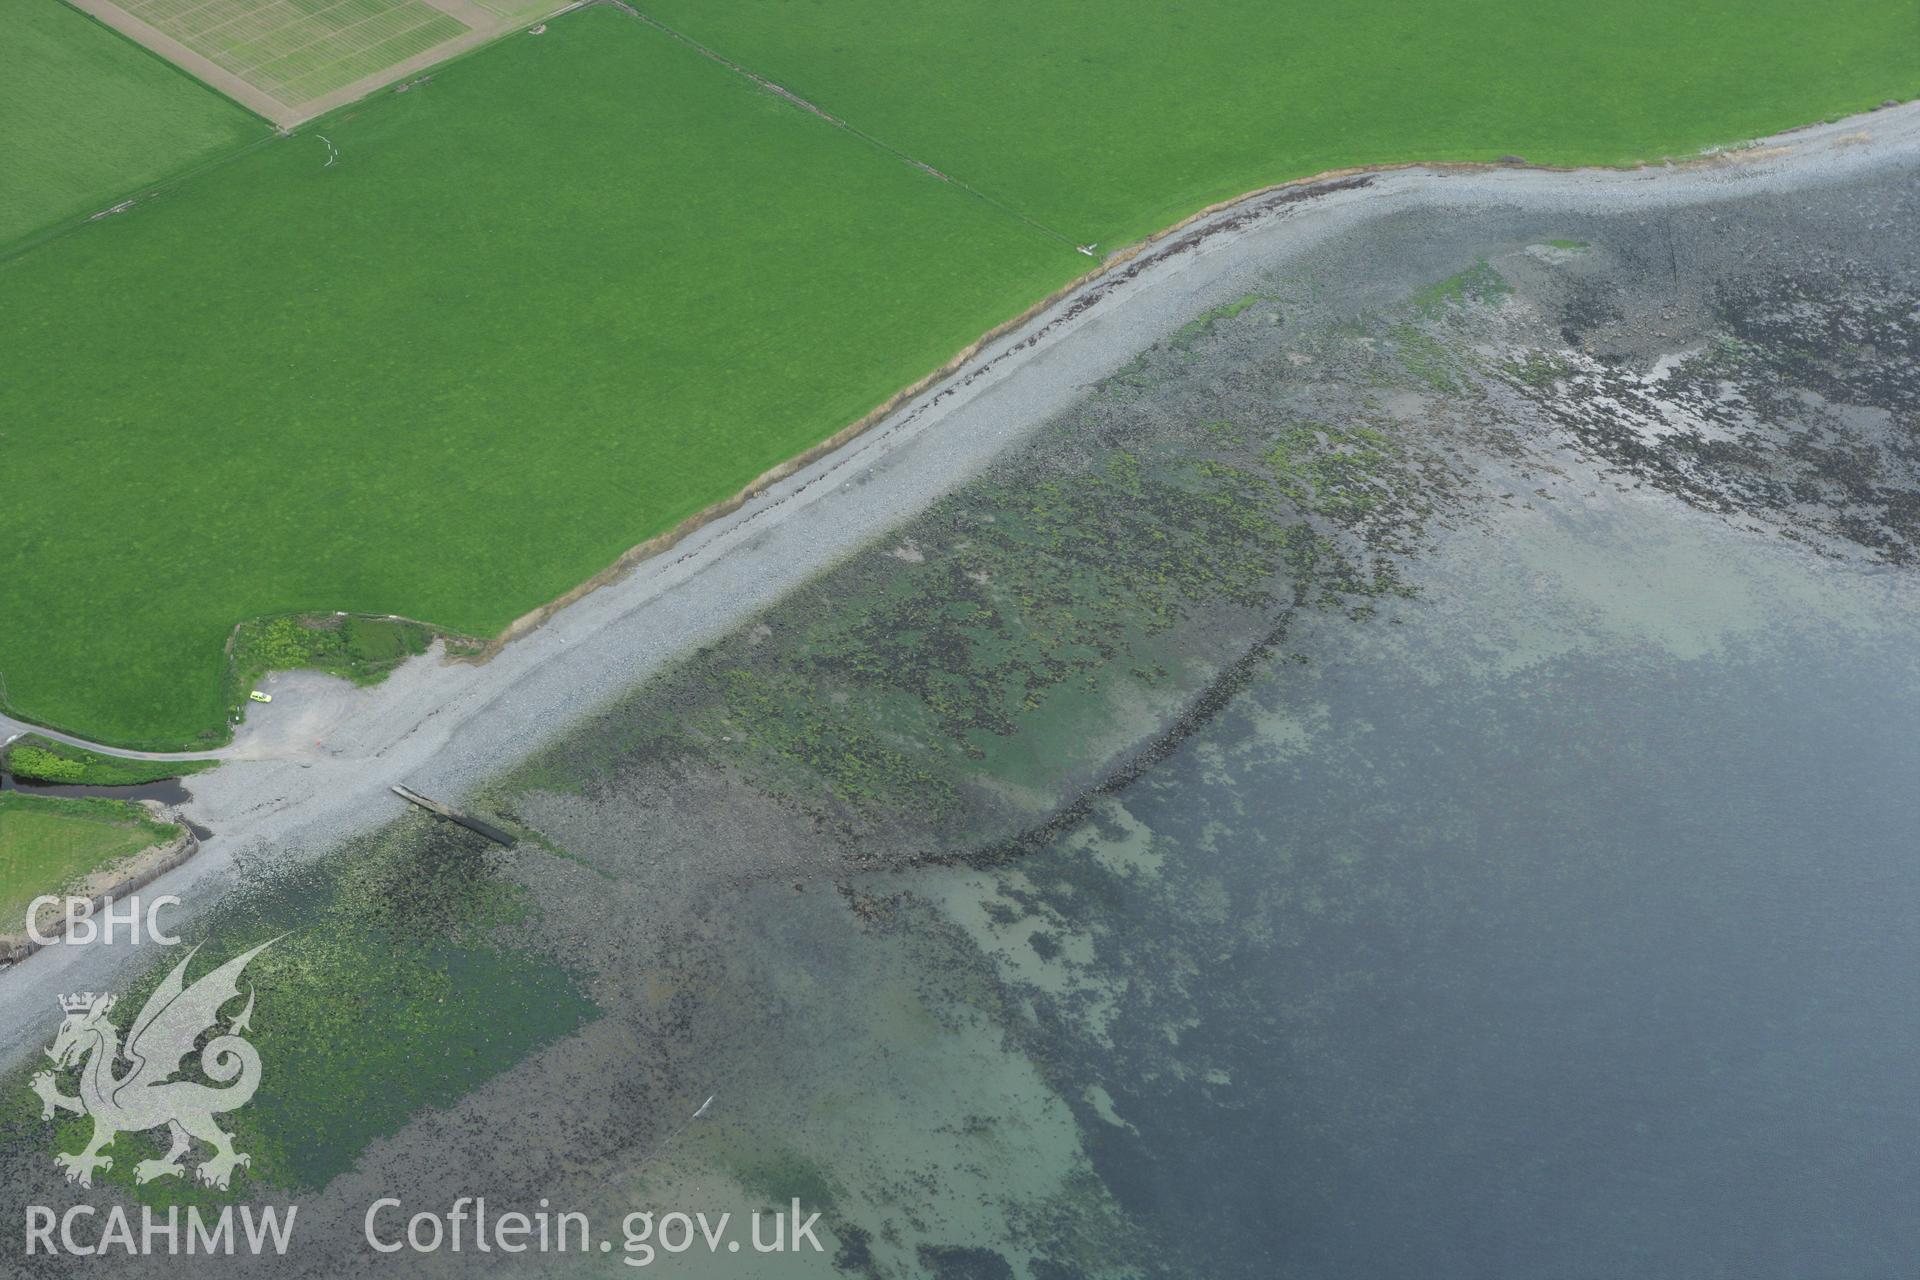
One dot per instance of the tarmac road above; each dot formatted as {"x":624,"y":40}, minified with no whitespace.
{"x":11,"y":729}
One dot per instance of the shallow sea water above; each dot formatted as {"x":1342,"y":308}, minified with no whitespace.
{"x":1550,"y":919}
{"x":1556,"y":922}
{"x":1589,"y":958}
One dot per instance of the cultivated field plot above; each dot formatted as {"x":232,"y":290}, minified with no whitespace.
{"x":298,"y":50}
{"x":87,"y":117}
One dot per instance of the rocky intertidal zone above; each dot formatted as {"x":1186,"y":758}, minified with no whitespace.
{"x":1043,"y":629}
{"x":1795,"y":408}
{"x":1764,"y":367}
{"x":1047,"y":629}
{"x":1166,"y":956}
{"x":978,"y":699}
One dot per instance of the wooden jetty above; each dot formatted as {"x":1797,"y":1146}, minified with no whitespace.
{"x":452,"y":814}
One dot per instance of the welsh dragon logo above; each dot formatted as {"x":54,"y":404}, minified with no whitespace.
{"x":149,"y":1094}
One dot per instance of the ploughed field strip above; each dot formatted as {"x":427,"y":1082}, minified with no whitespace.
{"x":297,"y":50}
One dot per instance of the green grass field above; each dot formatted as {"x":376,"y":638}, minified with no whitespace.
{"x":298,"y":50}
{"x":87,"y":117}
{"x":1110,"y":119}
{"x":567,"y":294}
{"x":48,"y":844}
{"x":586,"y":283}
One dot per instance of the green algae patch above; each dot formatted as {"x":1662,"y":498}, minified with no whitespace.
{"x":1478,"y":283}
{"x":396,"y":983}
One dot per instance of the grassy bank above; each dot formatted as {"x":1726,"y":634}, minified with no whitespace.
{"x":363,"y":650}
{"x":90,"y":117}
{"x":37,"y":759}
{"x":48,"y":845}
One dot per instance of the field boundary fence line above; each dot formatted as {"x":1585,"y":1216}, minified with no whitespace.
{"x":781,"y":91}
{"x":131,"y":197}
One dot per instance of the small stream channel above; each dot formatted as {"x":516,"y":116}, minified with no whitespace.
{"x":171,"y":792}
